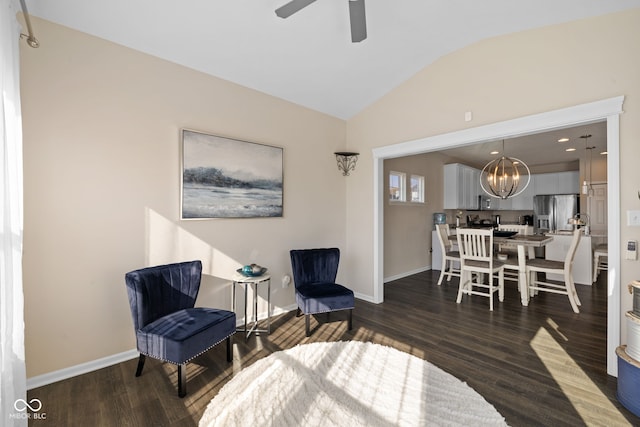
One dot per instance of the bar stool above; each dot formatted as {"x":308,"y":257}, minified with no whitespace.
{"x":600,"y":260}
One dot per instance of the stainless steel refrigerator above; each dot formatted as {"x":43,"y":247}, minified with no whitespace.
{"x":552,"y":212}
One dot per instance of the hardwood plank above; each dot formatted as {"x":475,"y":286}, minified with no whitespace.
{"x":538,"y":365}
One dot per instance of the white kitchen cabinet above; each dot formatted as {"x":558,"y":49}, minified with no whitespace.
{"x":521,"y":202}
{"x":557,"y":183}
{"x":524,"y":201}
{"x":569,"y":182}
{"x":461,"y":183}
{"x":546,"y":183}
{"x":462,"y":188}
{"x":501,"y":204}
{"x":582,"y":263}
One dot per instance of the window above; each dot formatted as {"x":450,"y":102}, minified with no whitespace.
{"x":417,"y":189}
{"x":397,"y":185}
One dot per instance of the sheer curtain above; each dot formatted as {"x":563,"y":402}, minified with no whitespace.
{"x":12,"y":364}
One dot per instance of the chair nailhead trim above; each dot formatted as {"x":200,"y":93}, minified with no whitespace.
{"x":191,"y":358}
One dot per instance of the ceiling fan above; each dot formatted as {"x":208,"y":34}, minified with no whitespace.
{"x":356,"y":16}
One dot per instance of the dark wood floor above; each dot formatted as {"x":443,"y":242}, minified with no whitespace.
{"x":538,"y":365}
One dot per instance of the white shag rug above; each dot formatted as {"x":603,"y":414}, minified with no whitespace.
{"x":347,"y":384}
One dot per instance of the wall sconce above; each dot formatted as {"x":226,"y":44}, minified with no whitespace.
{"x":346,"y":161}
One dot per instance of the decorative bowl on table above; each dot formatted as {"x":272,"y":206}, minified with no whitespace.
{"x":502,"y":257}
{"x":252,"y":270}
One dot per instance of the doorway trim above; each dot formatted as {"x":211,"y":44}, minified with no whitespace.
{"x":607,"y":110}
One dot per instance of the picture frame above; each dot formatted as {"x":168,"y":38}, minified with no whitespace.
{"x":223,"y":177}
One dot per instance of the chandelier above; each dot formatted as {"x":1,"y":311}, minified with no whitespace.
{"x":505,"y":177}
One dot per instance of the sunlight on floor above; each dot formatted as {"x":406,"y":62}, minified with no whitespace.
{"x":573,"y":381}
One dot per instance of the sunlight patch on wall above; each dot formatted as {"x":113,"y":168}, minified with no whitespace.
{"x":167,"y":242}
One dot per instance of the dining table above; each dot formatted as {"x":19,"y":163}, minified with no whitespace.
{"x":523,"y":243}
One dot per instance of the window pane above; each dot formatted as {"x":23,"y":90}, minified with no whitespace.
{"x":396,"y":186}
{"x":417,"y":188}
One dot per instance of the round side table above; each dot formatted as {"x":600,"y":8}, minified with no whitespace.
{"x":252,"y":281}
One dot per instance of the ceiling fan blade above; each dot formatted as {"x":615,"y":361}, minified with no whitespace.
{"x":358,"y":20}
{"x":292,"y":7}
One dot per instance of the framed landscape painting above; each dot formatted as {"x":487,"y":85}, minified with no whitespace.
{"x":229,"y":178}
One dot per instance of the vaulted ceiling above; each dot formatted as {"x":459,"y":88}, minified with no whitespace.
{"x":308,"y":58}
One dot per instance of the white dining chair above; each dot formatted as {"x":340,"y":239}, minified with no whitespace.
{"x":600,"y":260}
{"x":511,"y":268}
{"x":565,"y":268}
{"x":476,"y":256}
{"x":449,"y":257}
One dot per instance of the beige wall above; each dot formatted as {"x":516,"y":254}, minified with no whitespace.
{"x":407,"y":226}
{"x":102,"y":178}
{"x":101,"y":129}
{"x":500,"y":79}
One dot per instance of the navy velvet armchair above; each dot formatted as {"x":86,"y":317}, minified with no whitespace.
{"x":167,"y":325}
{"x":314,"y":275}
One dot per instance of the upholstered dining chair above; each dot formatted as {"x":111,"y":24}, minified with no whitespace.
{"x":476,"y":256}
{"x":314,"y":276}
{"x":167,"y":325}
{"x":564,"y":268}
{"x":449,"y":256}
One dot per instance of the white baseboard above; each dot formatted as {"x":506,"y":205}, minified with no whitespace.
{"x":367,"y":298}
{"x":94,"y":365}
{"x":406,"y":274}
{"x":83,"y":368}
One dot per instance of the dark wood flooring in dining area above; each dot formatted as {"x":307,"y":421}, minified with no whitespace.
{"x":540,"y":365}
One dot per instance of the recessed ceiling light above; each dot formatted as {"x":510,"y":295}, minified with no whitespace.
{"x":494,"y":152}
{"x":570,"y":149}
{"x":563,"y":139}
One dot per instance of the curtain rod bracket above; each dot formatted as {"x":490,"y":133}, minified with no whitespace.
{"x":32,"y":41}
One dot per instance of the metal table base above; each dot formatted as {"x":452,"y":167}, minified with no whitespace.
{"x":253,"y":282}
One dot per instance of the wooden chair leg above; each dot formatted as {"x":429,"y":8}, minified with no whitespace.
{"x":306,"y":324}
{"x":182,"y":380}
{"x":351,"y":319}
{"x":443,"y":269}
{"x":140,"y":364}
{"x":464,"y":277}
{"x":229,"y":349}
{"x":568,"y":280}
